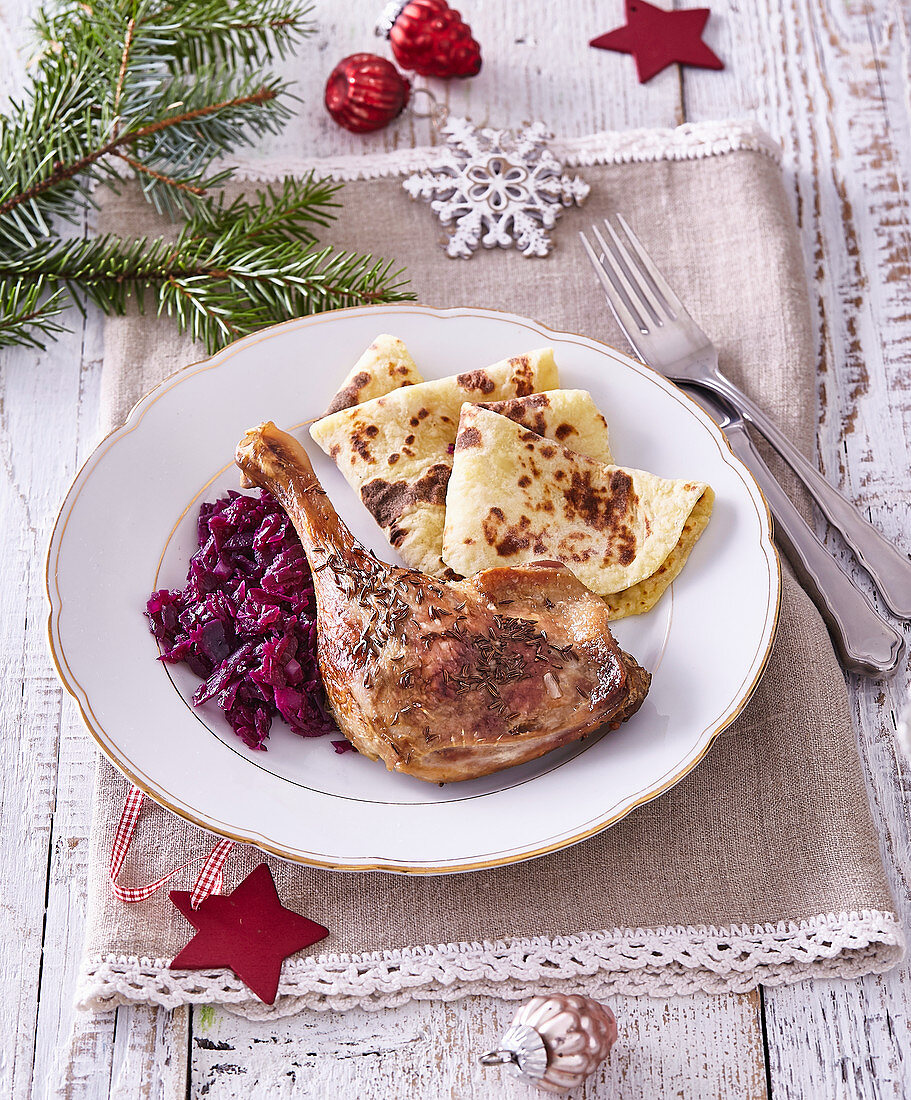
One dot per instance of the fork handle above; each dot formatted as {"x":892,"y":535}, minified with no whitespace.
{"x":888,"y":567}
{"x":865,"y":641}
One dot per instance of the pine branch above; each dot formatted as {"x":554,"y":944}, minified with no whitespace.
{"x":247,"y":31}
{"x":165,"y":87}
{"x":234,"y":268}
{"x":272,"y":215}
{"x":153,"y":138}
{"x":27,"y":313}
{"x":232,"y":293}
{"x":155,"y":80}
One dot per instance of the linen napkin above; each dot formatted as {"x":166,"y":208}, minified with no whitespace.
{"x":762,"y":865}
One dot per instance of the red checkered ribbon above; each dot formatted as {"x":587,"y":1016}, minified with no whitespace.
{"x":210,"y":880}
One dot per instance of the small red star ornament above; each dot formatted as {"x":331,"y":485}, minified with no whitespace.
{"x":657,"y":38}
{"x":249,"y":931}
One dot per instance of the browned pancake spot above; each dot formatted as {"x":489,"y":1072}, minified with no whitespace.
{"x":514,"y":405}
{"x":430,"y":488}
{"x":524,"y":481}
{"x":476,"y":380}
{"x":350,"y":394}
{"x":468,"y":437}
{"x":386,"y":501}
{"x":605,"y":508}
{"x":527,"y":411}
{"x":562,"y":431}
{"x":511,"y":543}
{"x":509,"y":539}
{"x":522,"y":375}
{"x":359,"y":445}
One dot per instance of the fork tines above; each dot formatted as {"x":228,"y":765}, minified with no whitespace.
{"x":638,"y":293}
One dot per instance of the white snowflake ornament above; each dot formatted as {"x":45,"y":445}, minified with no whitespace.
{"x":496,"y":189}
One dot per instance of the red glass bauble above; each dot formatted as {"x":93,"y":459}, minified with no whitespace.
{"x":431,"y":39}
{"x":365,"y":92}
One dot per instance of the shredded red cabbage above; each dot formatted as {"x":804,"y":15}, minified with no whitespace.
{"x":246,"y":622}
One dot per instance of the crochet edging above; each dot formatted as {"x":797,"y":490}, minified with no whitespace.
{"x":657,"y":962}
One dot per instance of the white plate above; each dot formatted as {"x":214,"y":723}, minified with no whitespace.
{"x":127,"y":526}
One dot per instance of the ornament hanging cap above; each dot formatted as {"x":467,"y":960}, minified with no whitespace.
{"x":522,"y":1049}
{"x":387,"y":18}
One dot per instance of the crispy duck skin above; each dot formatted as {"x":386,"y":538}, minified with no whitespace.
{"x":446,"y":681}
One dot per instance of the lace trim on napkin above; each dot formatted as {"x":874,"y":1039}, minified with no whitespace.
{"x":691,"y":141}
{"x":656,"y":962}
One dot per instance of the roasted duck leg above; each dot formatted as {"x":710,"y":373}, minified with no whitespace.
{"x":446,"y":680}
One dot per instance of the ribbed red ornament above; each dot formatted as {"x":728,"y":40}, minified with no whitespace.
{"x":430,"y":38}
{"x":365,"y":92}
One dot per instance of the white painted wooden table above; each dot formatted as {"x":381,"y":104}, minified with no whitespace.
{"x":830,"y":79}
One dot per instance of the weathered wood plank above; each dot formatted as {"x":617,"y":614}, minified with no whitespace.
{"x":835,"y":91}
{"x":37,"y":459}
{"x":842,"y":1039}
{"x":701,"y":1047}
{"x":15,"y":24}
{"x":72,"y":1049}
{"x":150,"y":1054}
{"x":75,"y":1052}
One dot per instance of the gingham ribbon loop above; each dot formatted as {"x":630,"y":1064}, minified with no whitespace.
{"x":210,"y":880}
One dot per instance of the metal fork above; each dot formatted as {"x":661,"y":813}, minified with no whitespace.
{"x":864,"y":640}
{"x":665,"y":336}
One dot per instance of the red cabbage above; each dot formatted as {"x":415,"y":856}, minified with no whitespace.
{"x":246,"y":622}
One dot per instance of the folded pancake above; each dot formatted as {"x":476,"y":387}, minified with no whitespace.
{"x":570,"y":417}
{"x":642,"y":597}
{"x":514,"y":497}
{"x":385,"y":365}
{"x":394,"y":450}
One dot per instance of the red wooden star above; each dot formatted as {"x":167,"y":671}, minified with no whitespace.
{"x":658,"y":38}
{"x":248,"y":930}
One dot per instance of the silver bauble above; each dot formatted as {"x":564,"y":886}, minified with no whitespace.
{"x":556,"y":1041}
